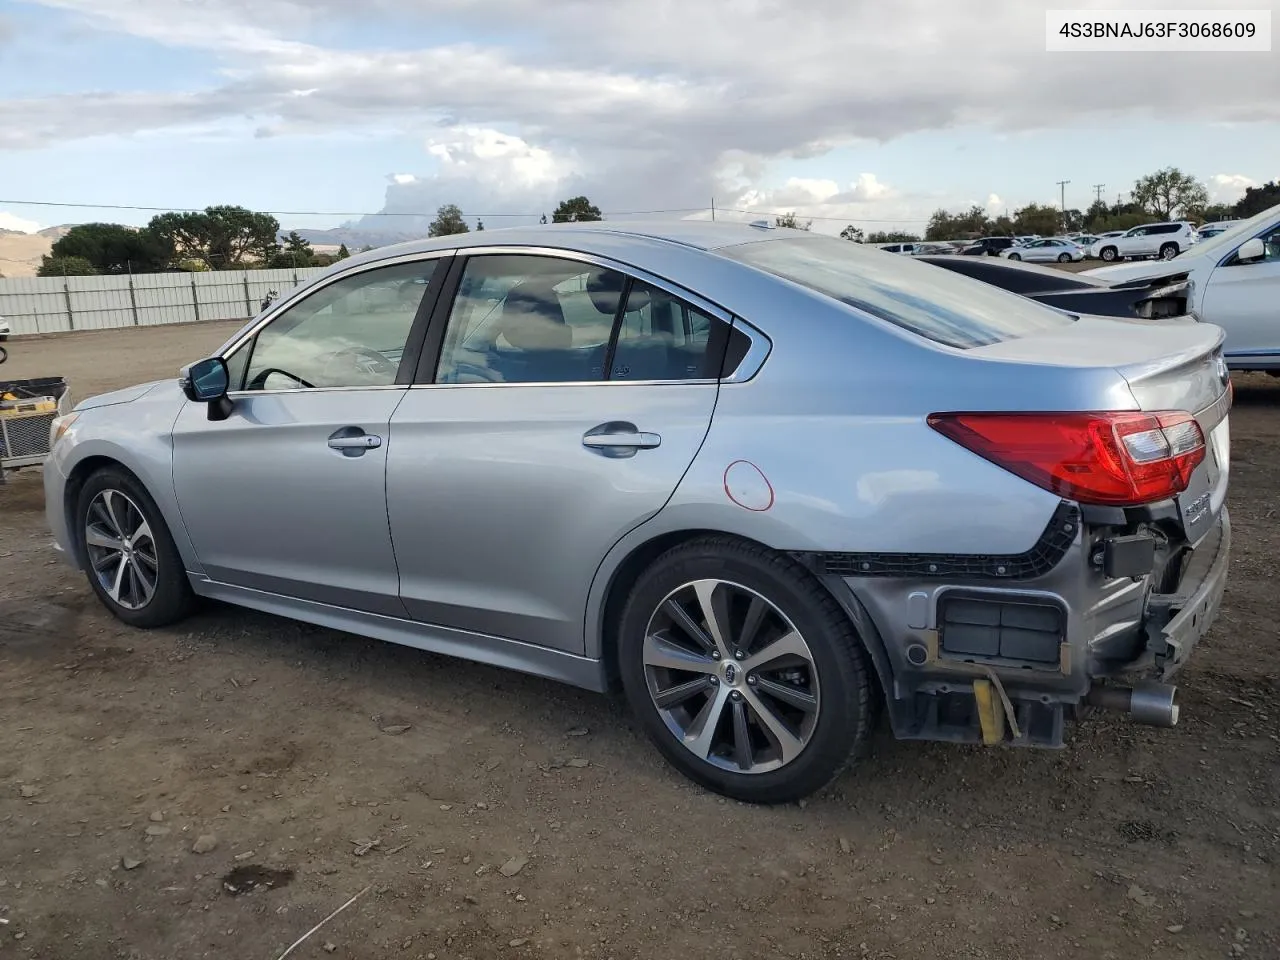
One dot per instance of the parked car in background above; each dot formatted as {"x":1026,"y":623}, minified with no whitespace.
{"x":1041,"y":251}
{"x":1159,"y":299}
{"x":678,"y":458}
{"x":1236,"y":282}
{"x":906,"y":248}
{"x":988,"y":246}
{"x":932,"y":248}
{"x":1213,"y":229}
{"x":1163,"y":240}
{"x":5,"y":330}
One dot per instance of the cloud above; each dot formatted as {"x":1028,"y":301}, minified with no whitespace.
{"x":994,"y":202}
{"x":9,"y":222}
{"x":632,"y":101}
{"x":1228,"y":187}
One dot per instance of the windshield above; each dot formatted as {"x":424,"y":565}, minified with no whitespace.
{"x":943,"y":306}
{"x":1218,"y":243}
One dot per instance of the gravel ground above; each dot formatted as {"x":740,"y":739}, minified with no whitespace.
{"x":216,"y":789}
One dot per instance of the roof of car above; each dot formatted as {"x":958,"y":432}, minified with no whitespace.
{"x":591,"y":236}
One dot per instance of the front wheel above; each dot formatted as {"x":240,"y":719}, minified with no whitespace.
{"x":1064,"y":258}
{"x":1109,"y":253}
{"x":1014,"y":256}
{"x":4,"y":354}
{"x":132,"y":563}
{"x":744,"y":671}
{"x":1168,"y":251}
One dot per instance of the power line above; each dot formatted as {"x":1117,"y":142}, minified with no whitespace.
{"x":1097,"y":192}
{"x":405,"y":213}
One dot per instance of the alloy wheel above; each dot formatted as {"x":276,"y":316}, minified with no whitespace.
{"x":731,"y":676}
{"x":121,"y":549}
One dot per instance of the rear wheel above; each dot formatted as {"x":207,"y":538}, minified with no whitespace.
{"x":1015,"y":256}
{"x":1168,"y":251}
{"x":1064,"y":258}
{"x":744,"y":671}
{"x":133,"y":565}
{"x":1109,"y":253}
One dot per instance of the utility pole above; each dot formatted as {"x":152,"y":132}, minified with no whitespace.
{"x":1097,"y":192}
{"x":1062,"y":186}
{"x":713,"y":208}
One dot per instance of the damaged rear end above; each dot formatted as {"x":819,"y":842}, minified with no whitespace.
{"x":1127,"y":576}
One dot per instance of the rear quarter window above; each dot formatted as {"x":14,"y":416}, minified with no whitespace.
{"x":941,"y":306}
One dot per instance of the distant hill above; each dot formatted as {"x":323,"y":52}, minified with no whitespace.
{"x":20,"y":253}
{"x":357,"y":239}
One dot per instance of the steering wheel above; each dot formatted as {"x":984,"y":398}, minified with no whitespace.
{"x":258,"y":382}
{"x":365,"y":360}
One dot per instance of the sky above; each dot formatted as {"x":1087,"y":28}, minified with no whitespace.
{"x":867,"y":112}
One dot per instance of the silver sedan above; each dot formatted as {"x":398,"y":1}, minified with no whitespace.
{"x":772,"y":485}
{"x":1045,"y":251}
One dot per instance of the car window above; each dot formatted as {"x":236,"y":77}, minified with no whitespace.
{"x":349,"y":333}
{"x":529,"y":319}
{"x":663,"y":338}
{"x":938,"y":304}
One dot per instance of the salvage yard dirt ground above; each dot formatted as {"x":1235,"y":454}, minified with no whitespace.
{"x":494,"y":815}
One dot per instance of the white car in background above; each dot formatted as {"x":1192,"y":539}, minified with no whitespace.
{"x":5,"y":330}
{"x":1213,"y":229}
{"x":1236,"y":285}
{"x":1045,"y":251}
{"x":1163,"y":240}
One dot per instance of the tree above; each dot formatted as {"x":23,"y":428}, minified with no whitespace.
{"x":343,"y":252}
{"x":298,"y":248}
{"x":479,"y":225}
{"x":65,"y":267}
{"x":1037,"y":218}
{"x":1257,"y":199}
{"x":1073,"y":220}
{"x":576,"y":210}
{"x":946,"y":226}
{"x":448,"y":221}
{"x":1170,"y":192}
{"x":852,"y":233}
{"x":113,"y":248}
{"x":892,"y":236}
{"x":789,"y":221}
{"x":221,"y":236}
{"x":1218,"y":211}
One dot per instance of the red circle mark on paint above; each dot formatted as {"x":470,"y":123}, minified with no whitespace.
{"x":728,"y":493}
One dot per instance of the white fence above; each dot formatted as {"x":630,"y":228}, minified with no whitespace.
{"x":60,"y":304}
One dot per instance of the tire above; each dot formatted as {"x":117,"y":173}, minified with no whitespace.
{"x":832,"y":672}
{"x":1014,"y":256}
{"x":1109,"y":253}
{"x":1168,"y":251}
{"x":1064,"y":258}
{"x":131,"y":507}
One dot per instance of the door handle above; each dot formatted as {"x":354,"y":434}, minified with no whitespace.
{"x":640,"y":441}
{"x":353,"y":442}
{"x":619,"y":439}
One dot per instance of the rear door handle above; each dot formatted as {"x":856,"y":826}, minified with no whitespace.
{"x":353,"y":442}
{"x":619,"y":439}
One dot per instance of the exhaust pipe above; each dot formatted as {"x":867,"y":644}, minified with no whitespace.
{"x":1148,"y":702}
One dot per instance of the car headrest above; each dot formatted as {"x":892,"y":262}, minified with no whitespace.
{"x":532,"y":318}
{"x":605,"y":287}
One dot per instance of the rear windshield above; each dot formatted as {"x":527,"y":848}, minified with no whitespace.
{"x":938,"y":304}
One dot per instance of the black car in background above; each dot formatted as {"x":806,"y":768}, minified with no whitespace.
{"x":1167,"y":296}
{"x":988,"y":247}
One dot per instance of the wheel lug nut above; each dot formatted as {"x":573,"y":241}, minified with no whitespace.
{"x":751,"y":679}
{"x":715,"y":655}
{"x":715,"y":681}
{"x":735,"y":695}
{"x":738,"y":654}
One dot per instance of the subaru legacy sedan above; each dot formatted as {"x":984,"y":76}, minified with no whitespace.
{"x":772,"y":485}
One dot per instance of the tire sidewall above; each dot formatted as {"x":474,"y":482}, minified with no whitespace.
{"x":841,"y":681}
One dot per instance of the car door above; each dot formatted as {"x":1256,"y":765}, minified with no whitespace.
{"x":1134,"y":243}
{"x":556,"y":418}
{"x":1244,"y":299}
{"x":287,"y":493}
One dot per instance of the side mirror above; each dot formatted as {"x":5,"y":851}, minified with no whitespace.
{"x":1252,"y":249}
{"x":206,"y":381}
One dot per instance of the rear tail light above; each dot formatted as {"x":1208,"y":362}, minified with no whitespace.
{"x":1115,"y":458}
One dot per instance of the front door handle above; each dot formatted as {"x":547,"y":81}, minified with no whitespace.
{"x":353,"y":442}
{"x":619,"y":439}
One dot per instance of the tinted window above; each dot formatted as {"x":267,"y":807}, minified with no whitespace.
{"x":664,"y":338}
{"x":944,"y":307}
{"x":1166,"y":228}
{"x":350,"y":333}
{"x":529,"y":319}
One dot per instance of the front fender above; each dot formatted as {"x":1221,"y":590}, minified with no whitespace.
{"x":138,"y":436}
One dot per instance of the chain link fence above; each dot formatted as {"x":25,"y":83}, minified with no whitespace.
{"x":63,"y":304}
